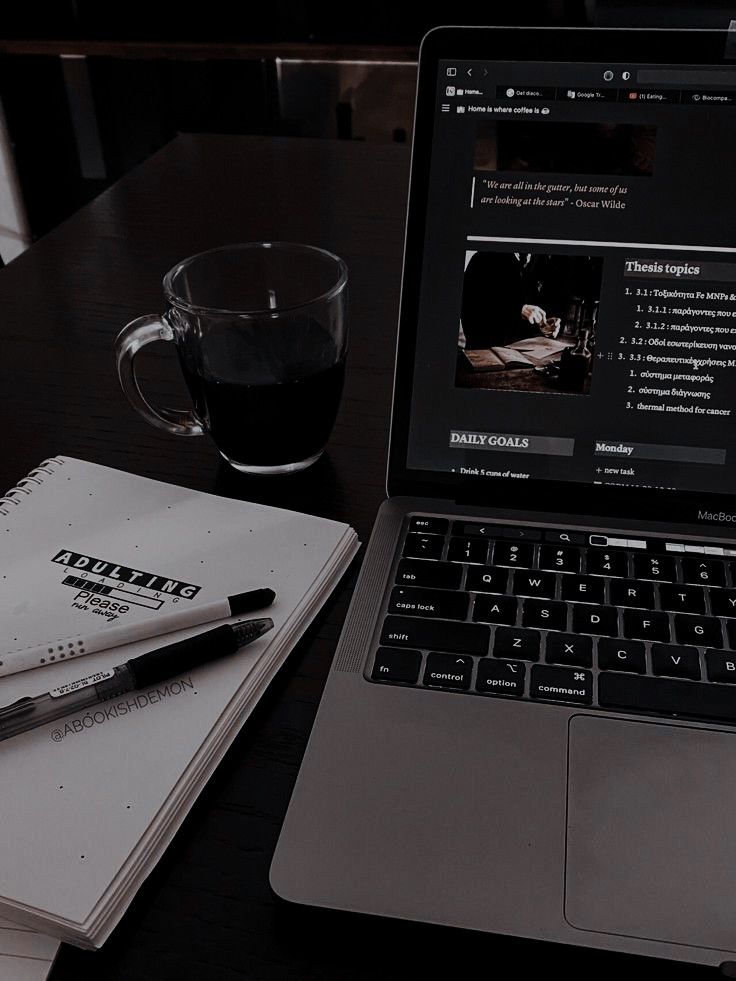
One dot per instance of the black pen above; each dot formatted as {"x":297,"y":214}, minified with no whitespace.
{"x":139,"y":672}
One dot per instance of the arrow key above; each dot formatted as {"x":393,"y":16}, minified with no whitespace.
{"x":678,"y":662}
{"x":448,"y":671}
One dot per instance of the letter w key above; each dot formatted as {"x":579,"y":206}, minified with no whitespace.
{"x":533,"y":583}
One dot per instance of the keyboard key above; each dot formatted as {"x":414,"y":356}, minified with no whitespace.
{"x":569,"y":649}
{"x":646,"y":625}
{"x":431,"y":526}
{"x":585,"y":589}
{"x":544,"y":613}
{"x":595,"y":619}
{"x":469,"y":528}
{"x":731,"y":631}
{"x":500,"y":677}
{"x":443,"y":635}
{"x":703,"y":631}
{"x":655,"y":567}
{"x":440,"y":575}
{"x":565,"y":537}
{"x":521,"y":534}
{"x":534,"y":583}
{"x":496,"y":531}
{"x":516,"y":642}
{"x":513,"y":554}
{"x":706,"y":572}
{"x":441,"y":603}
{"x":606,"y":563}
{"x":561,"y":684}
{"x":720,"y":667}
{"x":448,"y":671}
{"x":468,"y":550}
{"x":486,"y":579}
{"x":561,"y":558}
{"x":396,"y":665}
{"x":495,"y":609}
{"x":723,"y":602}
{"x":423,"y":546}
{"x":681,"y":662}
{"x":670,"y":695}
{"x":682,"y":599}
{"x":629,"y":592}
{"x":621,"y":655}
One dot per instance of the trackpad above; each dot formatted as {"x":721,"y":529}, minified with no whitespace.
{"x":651,"y":831}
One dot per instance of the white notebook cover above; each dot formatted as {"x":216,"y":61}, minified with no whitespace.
{"x":84,"y":790}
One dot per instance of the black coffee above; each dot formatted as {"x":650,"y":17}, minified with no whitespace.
{"x":269,"y":400}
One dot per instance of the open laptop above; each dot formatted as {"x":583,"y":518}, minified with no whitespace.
{"x":530,"y":723}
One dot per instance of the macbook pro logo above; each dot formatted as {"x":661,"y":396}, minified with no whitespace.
{"x":719,"y":517}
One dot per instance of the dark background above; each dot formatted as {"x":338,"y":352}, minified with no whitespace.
{"x":91,"y":89}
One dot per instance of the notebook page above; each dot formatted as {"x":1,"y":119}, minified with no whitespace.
{"x":104,"y":776}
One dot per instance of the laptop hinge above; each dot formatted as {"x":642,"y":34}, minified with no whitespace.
{"x":523,"y":499}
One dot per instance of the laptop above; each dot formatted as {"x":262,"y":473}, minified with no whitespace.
{"x":529,"y":727}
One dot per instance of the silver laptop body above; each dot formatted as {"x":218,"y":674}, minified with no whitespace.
{"x":528,"y":727}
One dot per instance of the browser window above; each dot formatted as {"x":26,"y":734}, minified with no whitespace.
{"x":577,"y":314}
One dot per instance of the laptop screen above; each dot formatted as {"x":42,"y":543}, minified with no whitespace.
{"x":577,"y":307}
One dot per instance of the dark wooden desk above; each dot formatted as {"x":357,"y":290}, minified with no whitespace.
{"x":206,"y":911}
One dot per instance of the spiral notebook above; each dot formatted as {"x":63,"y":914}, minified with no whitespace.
{"x":96,"y":798}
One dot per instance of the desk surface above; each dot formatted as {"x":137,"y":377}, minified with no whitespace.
{"x":206,"y":912}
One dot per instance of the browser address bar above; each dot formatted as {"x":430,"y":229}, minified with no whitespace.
{"x":675,"y":76}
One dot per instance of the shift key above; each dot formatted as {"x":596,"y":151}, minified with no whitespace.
{"x":436,"y":635}
{"x":444,"y":603}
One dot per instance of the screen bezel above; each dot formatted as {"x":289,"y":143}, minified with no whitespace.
{"x":597,"y":45}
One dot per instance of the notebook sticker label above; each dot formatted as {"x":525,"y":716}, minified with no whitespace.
{"x":114,"y":591}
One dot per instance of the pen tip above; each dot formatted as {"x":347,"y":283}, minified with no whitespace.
{"x":251,"y":630}
{"x":254,"y":599}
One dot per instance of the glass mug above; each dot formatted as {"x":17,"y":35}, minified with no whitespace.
{"x":261,"y":334}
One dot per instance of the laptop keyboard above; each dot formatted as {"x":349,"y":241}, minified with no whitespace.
{"x":557,"y":616}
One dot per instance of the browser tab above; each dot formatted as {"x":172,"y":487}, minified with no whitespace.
{"x":525,"y":92}
{"x":703,"y":98}
{"x":650,"y":95}
{"x":588,"y":95}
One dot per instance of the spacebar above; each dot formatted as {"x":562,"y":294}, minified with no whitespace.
{"x":666,"y":695}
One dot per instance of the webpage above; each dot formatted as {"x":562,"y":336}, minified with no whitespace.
{"x":577,"y":314}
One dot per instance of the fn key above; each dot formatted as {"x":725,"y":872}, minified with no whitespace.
{"x":396,"y":665}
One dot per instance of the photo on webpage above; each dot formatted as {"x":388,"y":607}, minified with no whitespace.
{"x":552,"y":147}
{"x":528,"y":322}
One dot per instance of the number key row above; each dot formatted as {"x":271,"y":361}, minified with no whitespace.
{"x":426,"y":539}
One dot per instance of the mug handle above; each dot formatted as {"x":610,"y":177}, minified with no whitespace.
{"x":130,"y":340}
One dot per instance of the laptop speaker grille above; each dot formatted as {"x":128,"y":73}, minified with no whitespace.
{"x":369,"y":589}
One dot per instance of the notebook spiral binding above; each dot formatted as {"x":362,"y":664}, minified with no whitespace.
{"x":24,"y":488}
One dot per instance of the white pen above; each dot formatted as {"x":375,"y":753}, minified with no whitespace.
{"x":66,"y":648}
